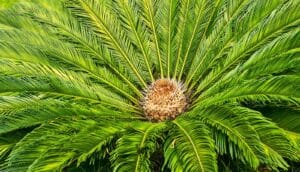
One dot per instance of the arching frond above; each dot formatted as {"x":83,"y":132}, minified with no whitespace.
{"x":234,"y":121}
{"x":281,"y":55}
{"x":286,"y":118}
{"x":54,"y":145}
{"x":72,"y":58}
{"x":191,"y":144}
{"x":168,"y":17}
{"x":8,"y":142}
{"x":17,"y":112}
{"x":283,"y":88}
{"x":104,"y":24}
{"x":133,"y":151}
{"x":244,"y":136}
{"x":96,"y":85}
{"x":59,"y":88}
{"x":259,"y":32}
{"x":126,"y":10}
{"x":203,"y":11}
{"x":148,"y":9}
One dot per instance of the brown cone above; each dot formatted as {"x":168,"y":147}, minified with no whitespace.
{"x":164,"y":99}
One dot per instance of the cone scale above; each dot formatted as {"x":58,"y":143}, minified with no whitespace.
{"x":164,"y":100}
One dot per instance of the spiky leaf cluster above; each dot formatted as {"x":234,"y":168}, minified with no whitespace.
{"x":72,"y":75}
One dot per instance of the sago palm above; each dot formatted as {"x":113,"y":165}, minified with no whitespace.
{"x":149,"y":85}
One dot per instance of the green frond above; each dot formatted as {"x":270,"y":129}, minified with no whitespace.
{"x":280,"y":56}
{"x":286,"y":62}
{"x":277,"y":89}
{"x":240,"y":127}
{"x":148,"y":9}
{"x":202,"y":14}
{"x":54,"y":145}
{"x":65,"y":27}
{"x":237,"y":131}
{"x":74,"y":76}
{"x":218,"y":40}
{"x":190,"y":147}
{"x":136,"y":32}
{"x":261,"y":29}
{"x":265,"y":31}
{"x":286,"y":118}
{"x":181,"y":32}
{"x":17,"y":112}
{"x":80,"y":36}
{"x":73,"y":58}
{"x":6,"y":4}
{"x":134,"y":149}
{"x":8,"y":142}
{"x":295,"y":137}
{"x":64,"y":87}
{"x":103,"y":23}
{"x":168,"y":23}
{"x":276,"y":139}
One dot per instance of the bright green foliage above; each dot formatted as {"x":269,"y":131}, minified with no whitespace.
{"x":72,"y":75}
{"x":6,"y":3}
{"x":191,"y":144}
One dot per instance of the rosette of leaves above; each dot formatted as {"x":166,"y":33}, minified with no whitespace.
{"x":74,"y":75}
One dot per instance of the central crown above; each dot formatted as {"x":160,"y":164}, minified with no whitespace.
{"x":164,"y":99}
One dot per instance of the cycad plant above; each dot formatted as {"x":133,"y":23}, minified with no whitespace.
{"x":150,"y":85}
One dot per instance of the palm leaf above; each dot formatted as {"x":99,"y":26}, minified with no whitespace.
{"x":192,"y":144}
{"x":54,"y":144}
{"x":133,"y":151}
{"x":79,"y":80}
